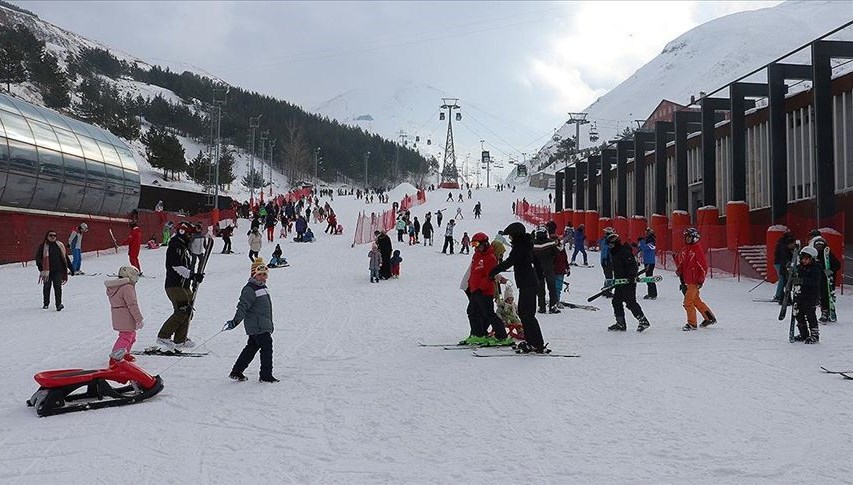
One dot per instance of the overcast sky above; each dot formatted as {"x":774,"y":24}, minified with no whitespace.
{"x":530,"y":62}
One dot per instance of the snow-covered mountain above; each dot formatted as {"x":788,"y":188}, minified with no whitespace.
{"x":710,"y":56}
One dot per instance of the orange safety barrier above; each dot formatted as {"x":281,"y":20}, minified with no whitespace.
{"x":620,"y":225}
{"x":660,"y":227}
{"x":602,"y":223}
{"x":636,"y":228}
{"x":591,"y":229}
{"x":737,"y":224}
{"x":774,"y":233}
{"x":708,"y":224}
{"x":680,"y":222}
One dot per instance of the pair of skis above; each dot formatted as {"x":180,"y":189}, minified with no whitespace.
{"x":847,"y":374}
{"x":607,"y":288}
{"x":503,"y":351}
{"x":791,"y":291}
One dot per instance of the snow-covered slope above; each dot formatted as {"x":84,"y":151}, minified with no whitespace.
{"x":360,"y":402}
{"x":710,"y":56}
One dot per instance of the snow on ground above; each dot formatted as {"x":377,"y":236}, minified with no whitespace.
{"x":360,"y":402}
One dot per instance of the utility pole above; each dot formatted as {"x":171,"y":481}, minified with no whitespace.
{"x":449,"y":173}
{"x":402,"y":135}
{"x":254,"y":123}
{"x":316,"y":164}
{"x":219,"y":99}
{"x":578,"y":119}
{"x":264,"y":135}
{"x":272,"y":158}
{"x":366,"y":157}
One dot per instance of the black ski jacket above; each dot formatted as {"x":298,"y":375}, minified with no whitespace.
{"x":624,"y":262}
{"x":178,"y":272}
{"x":526,"y":268}
{"x":810,"y":279}
{"x":545,"y":252}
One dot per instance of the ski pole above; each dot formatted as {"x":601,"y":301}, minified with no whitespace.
{"x":756,"y":286}
{"x":173,"y":364}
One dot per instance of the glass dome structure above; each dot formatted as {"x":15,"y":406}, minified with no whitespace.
{"x":55,"y":163}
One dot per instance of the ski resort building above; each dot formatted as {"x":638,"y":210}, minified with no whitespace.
{"x":740,"y":163}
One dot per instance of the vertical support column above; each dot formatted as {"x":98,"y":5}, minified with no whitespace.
{"x":709,"y":148}
{"x":663,"y":132}
{"x":580,"y":173}
{"x":623,"y":151}
{"x":592,"y":179}
{"x":558,"y":191}
{"x":641,"y":140}
{"x":683,"y":122}
{"x":608,"y":155}
{"x":569,"y":176}
{"x":776,"y":75}
{"x":824,"y":155}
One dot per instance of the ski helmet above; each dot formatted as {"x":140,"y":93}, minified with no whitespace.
{"x":84,"y":227}
{"x":611,"y":239}
{"x":185,"y":228}
{"x":608,"y":230}
{"x":479,"y":238}
{"x":810,"y":251}
{"x":541,"y":233}
{"x":129,"y":272}
{"x":515,"y":230}
{"x":692,"y":234}
{"x":817,"y":240}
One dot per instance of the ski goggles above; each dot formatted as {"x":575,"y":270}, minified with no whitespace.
{"x":474,"y":244}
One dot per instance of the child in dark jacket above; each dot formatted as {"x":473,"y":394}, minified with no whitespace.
{"x":395,"y":264}
{"x":806,"y":301}
{"x":255,"y":310}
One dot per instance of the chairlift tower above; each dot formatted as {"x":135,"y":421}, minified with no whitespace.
{"x":450,"y":174}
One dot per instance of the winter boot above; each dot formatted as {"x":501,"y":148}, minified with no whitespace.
{"x":238,"y":376}
{"x":541,"y":310}
{"x":799,"y":338}
{"x":473,"y":340}
{"x":165,"y":345}
{"x":619,"y":326}
{"x":270,"y":379}
{"x":824,"y":316}
{"x":526,"y":348}
{"x":495,"y":342}
{"x":814,"y":339}
{"x":553,"y":309}
{"x":643,"y":323}
{"x":709,"y":320}
{"x":688,"y":327}
{"x":59,"y":307}
{"x":45,"y":306}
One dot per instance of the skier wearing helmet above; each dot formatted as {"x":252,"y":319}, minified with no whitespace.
{"x":527,"y":276}
{"x":830,"y":268}
{"x":179,"y":276}
{"x":624,"y":267}
{"x":691,"y":267}
{"x":481,"y":292}
{"x":807,"y":298}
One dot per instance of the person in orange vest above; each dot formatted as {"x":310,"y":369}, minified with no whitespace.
{"x":691,"y":267}
{"x":134,"y":242}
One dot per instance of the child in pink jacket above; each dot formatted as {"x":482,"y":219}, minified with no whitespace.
{"x":127,"y":318}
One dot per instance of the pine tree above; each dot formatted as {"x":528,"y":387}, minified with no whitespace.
{"x":253,"y":179}
{"x":163,"y":150}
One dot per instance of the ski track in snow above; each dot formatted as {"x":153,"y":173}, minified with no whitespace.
{"x":361,"y":402}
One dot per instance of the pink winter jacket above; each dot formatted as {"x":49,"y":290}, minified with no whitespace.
{"x":124,"y":307}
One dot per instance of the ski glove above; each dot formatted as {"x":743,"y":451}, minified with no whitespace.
{"x":230,"y":325}
{"x":198,"y":277}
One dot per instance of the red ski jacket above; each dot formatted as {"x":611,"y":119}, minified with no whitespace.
{"x":481,"y":264}
{"x":133,"y":240}
{"x":691,"y":265}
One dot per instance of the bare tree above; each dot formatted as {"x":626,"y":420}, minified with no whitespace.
{"x":296,"y":152}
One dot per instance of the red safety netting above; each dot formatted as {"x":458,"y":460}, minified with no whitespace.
{"x":534,"y":214}
{"x":26,"y":230}
{"x":367,"y":225}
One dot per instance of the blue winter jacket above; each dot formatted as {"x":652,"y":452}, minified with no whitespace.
{"x":579,"y":237}
{"x":604,"y":252}
{"x":648,"y":250}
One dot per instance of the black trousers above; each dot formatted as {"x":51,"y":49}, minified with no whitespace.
{"x":527,"y":315}
{"x":227,"y":247}
{"x":652,"y":287}
{"x":481,"y":314}
{"x":448,"y":242}
{"x":806,"y":318}
{"x":253,"y":255}
{"x":262,"y":342}
{"x":54,"y":278}
{"x":400,"y":235}
{"x":553,"y":297}
{"x":627,"y":295}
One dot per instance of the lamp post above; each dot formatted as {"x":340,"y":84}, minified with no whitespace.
{"x":316,"y":163}
{"x":366,"y":157}
{"x":254,"y":123}
{"x":272,"y":157}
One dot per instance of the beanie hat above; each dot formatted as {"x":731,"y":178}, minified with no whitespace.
{"x":129,"y":272}
{"x":259,"y":267}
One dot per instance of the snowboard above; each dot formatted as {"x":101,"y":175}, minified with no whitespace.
{"x":578,"y":306}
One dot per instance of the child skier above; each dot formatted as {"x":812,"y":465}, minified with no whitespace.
{"x":277,"y":260}
{"x":809,"y":274}
{"x":624,"y":266}
{"x":465,"y":244}
{"x":579,"y":245}
{"x":691,"y":267}
{"x":255,"y":306}
{"x":459,"y":212}
{"x":508,"y":312}
{"x":395,"y":264}
{"x":647,"y":248}
{"x":412,"y":233}
{"x":448,"y":236}
{"x":375,"y":263}
{"x":124,"y":307}
{"x":827,"y":307}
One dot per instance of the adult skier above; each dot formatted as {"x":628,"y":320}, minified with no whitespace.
{"x":691,"y":267}
{"x":178,"y":290}
{"x":383,"y":242}
{"x":134,"y":242}
{"x":624,"y":267}
{"x":783,"y":254}
{"x":53,"y":264}
{"x":427,"y":230}
{"x":480,"y":289}
{"x":527,"y":274}
{"x":827,"y":308}
{"x":544,"y":252}
{"x":448,"y":236}
{"x":75,"y":243}
{"x":580,"y":237}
